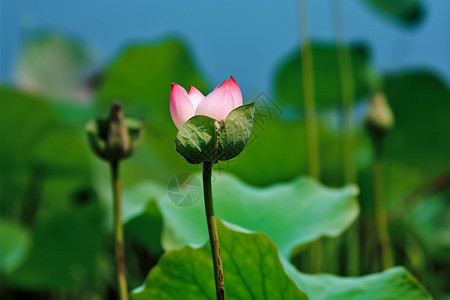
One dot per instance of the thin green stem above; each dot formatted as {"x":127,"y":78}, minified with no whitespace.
{"x":312,"y":140}
{"x":212,"y":229}
{"x":118,"y":234}
{"x":381,"y":223}
{"x":347,"y":90}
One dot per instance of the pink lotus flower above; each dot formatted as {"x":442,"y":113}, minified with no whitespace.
{"x":217,"y":104}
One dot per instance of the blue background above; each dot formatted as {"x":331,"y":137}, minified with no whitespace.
{"x":246,"y":39}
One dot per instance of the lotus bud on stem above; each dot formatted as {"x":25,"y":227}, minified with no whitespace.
{"x":379,"y":120}
{"x":211,"y":128}
{"x":114,"y":139}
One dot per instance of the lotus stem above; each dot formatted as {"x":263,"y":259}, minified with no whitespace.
{"x":312,"y":140}
{"x":381,"y":222}
{"x":347,"y":101}
{"x":212,"y":229}
{"x":118,"y":234}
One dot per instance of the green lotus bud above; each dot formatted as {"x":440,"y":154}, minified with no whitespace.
{"x":114,"y":138}
{"x":379,"y":116}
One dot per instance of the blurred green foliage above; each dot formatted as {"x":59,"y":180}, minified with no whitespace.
{"x":327,"y":85}
{"x":404,"y":12}
{"x":47,"y":151}
{"x":53,"y":65}
{"x":417,"y":148}
{"x":14,"y":245}
{"x":65,"y":252}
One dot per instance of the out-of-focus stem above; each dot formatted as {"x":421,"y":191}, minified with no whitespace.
{"x":312,"y":140}
{"x":347,"y":89}
{"x":212,"y":229}
{"x":118,"y":234}
{"x":347,"y":101}
{"x":381,"y":223}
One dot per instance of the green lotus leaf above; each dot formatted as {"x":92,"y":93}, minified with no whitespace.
{"x":405,"y":12}
{"x":292,"y":214}
{"x":394,"y":283}
{"x":252,"y":270}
